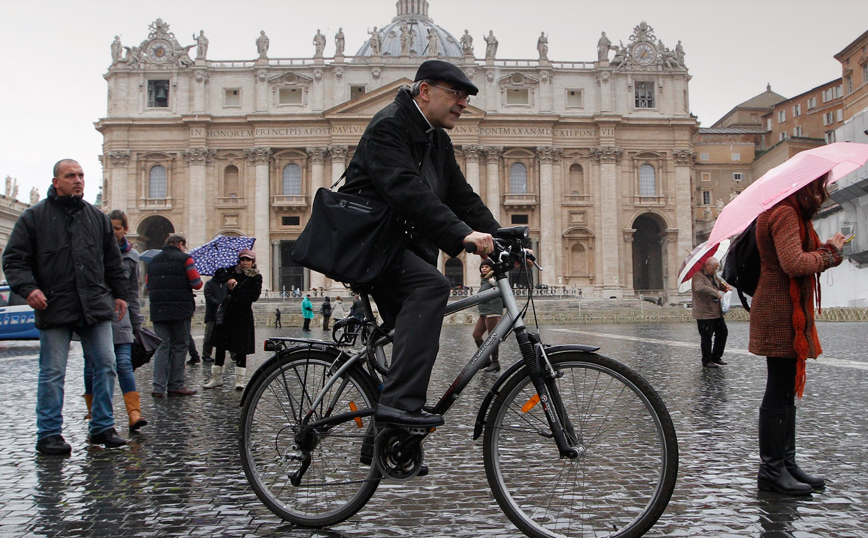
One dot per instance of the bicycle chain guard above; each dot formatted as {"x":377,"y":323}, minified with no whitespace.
{"x":398,"y":456}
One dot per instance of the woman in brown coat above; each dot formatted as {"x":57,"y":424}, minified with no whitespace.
{"x":782,"y":327}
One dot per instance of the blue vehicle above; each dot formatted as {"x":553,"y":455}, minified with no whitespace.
{"x":16,"y":317}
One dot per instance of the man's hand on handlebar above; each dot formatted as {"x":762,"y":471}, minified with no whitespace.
{"x":483,"y":243}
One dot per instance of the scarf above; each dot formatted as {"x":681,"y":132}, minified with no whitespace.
{"x":810,"y":241}
{"x":125,"y":245}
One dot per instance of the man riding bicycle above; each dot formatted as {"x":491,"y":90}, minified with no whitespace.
{"x":405,"y":159}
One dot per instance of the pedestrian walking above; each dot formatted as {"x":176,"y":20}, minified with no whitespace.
{"x":236,"y":332}
{"x":490,"y":313}
{"x":63,"y":258}
{"x":326,"y":311}
{"x":215,"y":292}
{"x":708,"y":289}
{"x":171,"y":279}
{"x":123,"y":330}
{"x":277,"y":324}
{"x":782,"y":327}
{"x":306,"y":312}
{"x":338,"y":311}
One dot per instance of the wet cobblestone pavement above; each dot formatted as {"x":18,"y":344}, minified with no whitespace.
{"x":182,"y":475}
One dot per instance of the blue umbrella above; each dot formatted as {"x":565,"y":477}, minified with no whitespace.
{"x":222,"y":251}
{"x":148,"y":255}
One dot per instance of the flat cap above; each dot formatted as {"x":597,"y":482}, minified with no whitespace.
{"x":447,"y":72}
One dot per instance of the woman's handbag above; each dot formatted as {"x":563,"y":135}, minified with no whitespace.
{"x":349,"y":238}
{"x":220,"y":315}
{"x":145,"y":344}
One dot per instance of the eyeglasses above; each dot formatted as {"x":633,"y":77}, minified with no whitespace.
{"x":459,"y":94}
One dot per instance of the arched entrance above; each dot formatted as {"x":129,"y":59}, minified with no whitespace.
{"x":153,"y":232}
{"x":454,"y":270}
{"x":647,"y":253}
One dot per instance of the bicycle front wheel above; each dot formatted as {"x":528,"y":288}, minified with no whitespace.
{"x":628,"y":452}
{"x":331,"y":484}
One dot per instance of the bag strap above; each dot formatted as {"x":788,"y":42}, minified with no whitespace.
{"x":335,"y":184}
{"x":743,"y":299}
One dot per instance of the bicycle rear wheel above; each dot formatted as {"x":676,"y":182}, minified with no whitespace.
{"x":621,"y":482}
{"x":274,"y":445}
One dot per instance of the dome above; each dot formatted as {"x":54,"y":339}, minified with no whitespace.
{"x":413,"y":14}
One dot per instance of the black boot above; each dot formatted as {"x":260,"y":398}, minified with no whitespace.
{"x":773,"y":474}
{"x":816,"y":482}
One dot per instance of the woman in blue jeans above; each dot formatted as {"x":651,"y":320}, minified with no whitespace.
{"x":122,"y":330}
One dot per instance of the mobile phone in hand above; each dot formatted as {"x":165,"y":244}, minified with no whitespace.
{"x":849,"y":238}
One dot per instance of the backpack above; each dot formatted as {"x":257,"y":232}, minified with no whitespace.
{"x":742,"y":267}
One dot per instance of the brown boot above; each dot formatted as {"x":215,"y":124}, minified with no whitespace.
{"x":88,"y":399}
{"x":131,"y":399}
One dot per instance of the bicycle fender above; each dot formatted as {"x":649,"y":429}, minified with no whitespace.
{"x":278,"y":356}
{"x":495,"y":389}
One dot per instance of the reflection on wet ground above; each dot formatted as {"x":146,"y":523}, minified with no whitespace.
{"x":182,"y":475}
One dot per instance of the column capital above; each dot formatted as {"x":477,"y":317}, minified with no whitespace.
{"x":198,"y":156}
{"x":317,"y":154}
{"x":339,"y":153}
{"x":492,"y":153}
{"x":547,"y":154}
{"x":471,"y":152}
{"x":607,"y":154}
{"x":119,"y":158}
{"x":683,"y":157}
{"x":258,"y":155}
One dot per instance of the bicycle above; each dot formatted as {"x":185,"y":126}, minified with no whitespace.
{"x":574,"y":443}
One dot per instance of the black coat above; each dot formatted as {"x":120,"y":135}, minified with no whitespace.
{"x":215,"y":292}
{"x":169,"y":291}
{"x":441,"y":207}
{"x":66,"y":247}
{"x":237,"y":334}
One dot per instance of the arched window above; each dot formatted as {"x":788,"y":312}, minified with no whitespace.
{"x":230,"y":181}
{"x":157,"y":182}
{"x":647,"y":181}
{"x":518,"y":178}
{"x":292,"y":179}
{"x":577,"y":180}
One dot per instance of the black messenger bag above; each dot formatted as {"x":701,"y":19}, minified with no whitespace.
{"x":349,"y":238}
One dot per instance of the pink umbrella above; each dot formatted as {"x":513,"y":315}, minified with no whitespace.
{"x":839,"y":158}
{"x":696,"y":259}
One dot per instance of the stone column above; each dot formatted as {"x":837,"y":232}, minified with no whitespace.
{"x":275,"y":271}
{"x":471,"y":169}
{"x":492,"y":180}
{"x":605,"y":90}
{"x":260,"y":94}
{"x":317,"y":180}
{"x":339,"y":161}
{"x":558,"y":181}
{"x":547,"y":208}
{"x":260,"y":157}
{"x":118,"y":175}
{"x":683,"y":213}
{"x":200,"y":90}
{"x":608,"y":244}
{"x":317,"y":90}
{"x":197,"y":187}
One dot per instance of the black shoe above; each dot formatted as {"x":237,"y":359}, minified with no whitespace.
{"x":710,"y":364}
{"x":194,"y":360}
{"x":53,"y":445}
{"x":109,"y":438}
{"x":207,"y":360}
{"x":423,"y":419}
{"x":493,"y":367}
{"x":719,"y":361}
{"x":423,"y":470}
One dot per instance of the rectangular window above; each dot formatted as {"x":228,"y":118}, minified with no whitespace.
{"x":812,"y":103}
{"x":520,"y":219}
{"x":706,"y":197}
{"x":231,"y":97}
{"x":158,"y":93}
{"x":290,"y":96}
{"x":865,"y":73}
{"x":517,"y":97}
{"x":737,"y":176}
{"x":797,"y":110}
{"x":768,"y":124}
{"x":703,"y":156}
{"x":828,"y":118}
{"x":840,"y":114}
{"x":706,"y":176}
{"x":849,"y":82}
{"x":357,"y":91}
{"x":782,"y":136}
{"x":290,"y":221}
{"x":736,"y":156}
{"x":782,"y":116}
{"x":830,"y":137}
{"x":797,"y":131}
{"x":575,"y":99}
{"x":644,"y":94}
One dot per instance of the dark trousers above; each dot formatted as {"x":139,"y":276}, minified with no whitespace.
{"x":780,"y":384}
{"x":325,"y":322}
{"x":207,"y":344}
{"x":306,"y":325}
{"x":412,"y":299}
{"x":709,"y":328}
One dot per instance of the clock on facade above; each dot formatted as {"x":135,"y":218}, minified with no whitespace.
{"x":158,"y":51}
{"x":644,"y":53}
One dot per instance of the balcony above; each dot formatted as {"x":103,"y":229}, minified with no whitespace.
{"x":577,"y":199}
{"x":155,"y":203}
{"x":231,"y":202}
{"x":289,"y":201}
{"x":520,"y":201}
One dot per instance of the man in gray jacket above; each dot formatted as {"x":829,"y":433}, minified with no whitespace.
{"x":708,"y":290}
{"x":63,"y":257}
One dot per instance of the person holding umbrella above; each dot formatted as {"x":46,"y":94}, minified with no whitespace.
{"x":708,"y":290}
{"x":235,"y":331}
{"x":782,"y":327}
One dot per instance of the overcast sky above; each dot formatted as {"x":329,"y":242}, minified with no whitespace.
{"x":55,"y":53}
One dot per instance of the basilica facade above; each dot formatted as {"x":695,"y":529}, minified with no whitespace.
{"x":594,"y":156}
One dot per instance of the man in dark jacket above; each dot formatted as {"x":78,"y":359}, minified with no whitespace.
{"x":172,"y":277}
{"x":64,"y":259}
{"x":406,"y":160}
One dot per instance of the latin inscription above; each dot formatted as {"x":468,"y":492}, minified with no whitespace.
{"x":198,"y":132}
